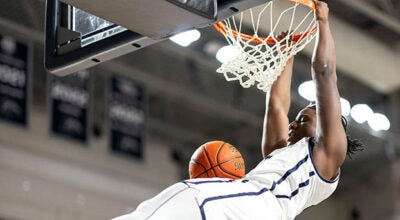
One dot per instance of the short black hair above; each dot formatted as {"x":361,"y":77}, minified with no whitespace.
{"x":353,"y":145}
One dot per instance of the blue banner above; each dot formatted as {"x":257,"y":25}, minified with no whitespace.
{"x":70,"y":101}
{"x":126,"y":117}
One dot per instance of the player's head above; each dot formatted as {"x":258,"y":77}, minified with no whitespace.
{"x":305,"y":126}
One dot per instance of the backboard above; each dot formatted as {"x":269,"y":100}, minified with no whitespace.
{"x":84,"y":33}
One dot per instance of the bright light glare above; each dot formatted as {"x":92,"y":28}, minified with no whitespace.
{"x":379,"y":122}
{"x":227,"y":53}
{"x":361,"y":113}
{"x":186,"y":38}
{"x":307,"y":90}
{"x":345,"y":105}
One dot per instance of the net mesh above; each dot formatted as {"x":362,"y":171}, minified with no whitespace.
{"x":261,"y":59}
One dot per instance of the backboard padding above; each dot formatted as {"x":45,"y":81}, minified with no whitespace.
{"x":156,"y":19}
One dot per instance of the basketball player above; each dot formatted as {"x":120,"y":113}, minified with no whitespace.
{"x":302,"y":159}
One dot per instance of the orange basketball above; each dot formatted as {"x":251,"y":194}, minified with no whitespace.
{"x":216,"y":159}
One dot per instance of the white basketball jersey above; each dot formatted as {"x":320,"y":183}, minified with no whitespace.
{"x":279,"y":188}
{"x":290,"y":174}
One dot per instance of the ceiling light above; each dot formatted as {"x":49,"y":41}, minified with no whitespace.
{"x":361,"y":113}
{"x":379,"y":122}
{"x":307,"y":90}
{"x":186,"y":38}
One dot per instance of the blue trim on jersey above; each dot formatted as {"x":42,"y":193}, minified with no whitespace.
{"x":208,"y":181}
{"x":290,"y":171}
{"x":294,"y":193}
{"x":310,"y":149}
{"x":203,"y":215}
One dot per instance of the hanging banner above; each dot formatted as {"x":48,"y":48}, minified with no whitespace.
{"x":126,"y":112}
{"x":69,"y":103}
{"x":14,"y":67}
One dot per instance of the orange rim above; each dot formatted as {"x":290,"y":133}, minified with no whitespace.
{"x":308,"y":3}
{"x":223,"y":29}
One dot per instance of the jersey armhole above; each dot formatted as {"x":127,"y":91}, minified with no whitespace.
{"x":310,"y":151}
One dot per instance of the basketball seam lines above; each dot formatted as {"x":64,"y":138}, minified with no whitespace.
{"x":208,"y":158}
{"x":216,"y":159}
{"x":217,"y":155}
{"x":204,"y":168}
{"x":226,"y":170}
{"x":217,"y":165}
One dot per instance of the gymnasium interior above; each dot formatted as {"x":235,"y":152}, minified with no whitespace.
{"x":59,"y":162}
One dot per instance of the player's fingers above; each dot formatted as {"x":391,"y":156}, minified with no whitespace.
{"x":321,"y":6}
{"x":319,"y":3}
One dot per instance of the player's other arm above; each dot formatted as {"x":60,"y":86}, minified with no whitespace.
{"x":275,"y":127}
{"x":331,"y":142}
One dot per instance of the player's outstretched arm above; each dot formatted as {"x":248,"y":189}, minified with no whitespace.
{"x":277,"y":104}
{"x":331,"y":143}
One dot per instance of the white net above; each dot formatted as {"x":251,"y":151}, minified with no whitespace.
{"x":261,"y":59}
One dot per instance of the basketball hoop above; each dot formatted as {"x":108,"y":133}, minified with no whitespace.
{"x":261,"y":59}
